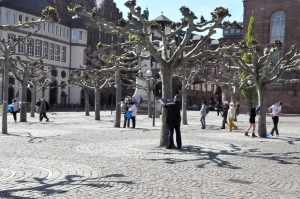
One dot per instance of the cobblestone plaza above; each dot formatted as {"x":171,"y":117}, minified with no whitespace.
{"x":74,"y":156}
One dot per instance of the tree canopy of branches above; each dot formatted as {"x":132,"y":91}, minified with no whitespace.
{"x":49,"y":15}
{"x":91,"y":79}
{"x":262,"y":70}
{"x":166,"y":52}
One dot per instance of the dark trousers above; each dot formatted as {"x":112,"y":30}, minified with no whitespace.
{"x":202,"y":120}
{"x":275,"y":122}
{"x":126,"y":121}
{"x":170,"y":136}
{"x":133,"y":121}
{"x":224,"y":122}
{"x":43,"y":115}
{"x":15,"y":115}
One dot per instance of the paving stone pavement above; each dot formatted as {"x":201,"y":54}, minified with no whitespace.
{"x":75,"y":156}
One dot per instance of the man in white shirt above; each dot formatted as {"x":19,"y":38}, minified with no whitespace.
{"x":275,"y":110}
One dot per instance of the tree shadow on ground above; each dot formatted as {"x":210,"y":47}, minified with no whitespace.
{"x":32,"y":139}
{"x":204,"y":154}
{"x":48,"y":189}
{"x":214,"y":156}
{"x":288,"y":158}
{"x":290,"y":140}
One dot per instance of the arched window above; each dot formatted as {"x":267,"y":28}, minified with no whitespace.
{"x":277,"y":26}
{"x":277,"y":31}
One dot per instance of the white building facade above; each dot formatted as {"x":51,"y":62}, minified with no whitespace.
{"x":61,"y":45}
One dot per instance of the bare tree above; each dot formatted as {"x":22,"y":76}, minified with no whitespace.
{"x":39,"y":81}
{"x":187,"y":75}
{"x":95,"y":79}
{"x":262,"y":70}
{"x":128,"y":62}
{"x":169,"y":54}
{"x":50,"y":15}
{"x":23,"y":71}
{"x":228,"y":79}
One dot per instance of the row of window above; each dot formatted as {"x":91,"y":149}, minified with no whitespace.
{"x":232,"y":31}
{"x":11,"y":17}
{"x":40,"y":48}
{"x":202,"y":87}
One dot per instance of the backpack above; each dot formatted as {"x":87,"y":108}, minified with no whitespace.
{"x":47,"y":106}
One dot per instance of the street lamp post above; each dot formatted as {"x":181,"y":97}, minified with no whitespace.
{"x":1,"y":81}
{"x":149,"y":74}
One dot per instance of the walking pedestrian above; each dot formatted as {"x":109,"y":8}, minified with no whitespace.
{"x":43,"y":110}
{"x":237,"y":106}
{"x":14,"y":109}
{"x":252,"y":115}
{"x":203,"y":113}
{"x":76,"y":106}
{"x":133,"y":113}
{"x":218,"y":107}
{"x":275,"y":110}
{"x":224,"y":113}
{"x":231,"y":117}
{"x":173,"y":121}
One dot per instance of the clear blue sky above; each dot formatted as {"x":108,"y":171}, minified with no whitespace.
{"x":170,"y":9}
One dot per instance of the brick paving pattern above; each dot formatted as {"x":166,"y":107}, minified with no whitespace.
{"x":74,"y":156}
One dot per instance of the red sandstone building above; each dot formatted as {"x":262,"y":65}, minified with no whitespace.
{"x":277,"y":20}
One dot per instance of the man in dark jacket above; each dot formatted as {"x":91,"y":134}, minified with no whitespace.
{"x":224,"y":114}
{"x":173,"y":121}
{"x":43,"y":110}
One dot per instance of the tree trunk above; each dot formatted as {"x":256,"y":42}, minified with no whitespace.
{"x":33,"y":100}
{"x":118,"y":98}
{"x":149,"y":98}
{"x":97,"y":103}
{"x":262,"y":123}
{"x":87,"y":101}
{"x":184,"y":102}
{"x":5,"y":94}
{"x":43,"y":91}
{"x":233,"y":95}
{"x":167,"y":74}
{"x":23,"y":112}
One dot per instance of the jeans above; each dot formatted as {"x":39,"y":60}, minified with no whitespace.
{"x":275,"y":122}
{"x":202,"y":120}
{"x":170,"y":136}
{"x":126,"y":121}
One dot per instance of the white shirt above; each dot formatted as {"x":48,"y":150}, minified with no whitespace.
{"x":275,"y":110}
{"x":15,"y":106}
{"x":133,"y":110}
